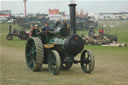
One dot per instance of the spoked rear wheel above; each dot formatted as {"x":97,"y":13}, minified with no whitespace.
{"x":54,"y":62}
{"x":23,"y":35}
{"x":34,"y":54}
{"x":87,"y":61}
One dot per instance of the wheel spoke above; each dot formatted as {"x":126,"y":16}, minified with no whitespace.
{"x":33,"y":49}
{"x":84,"y":59}
{"x":34,"y":59}
{"x":54,"y":62}
{"x":29,"y":46}
{"x":30,"y":62}
{"x":33,"y":53}
{"x":28,"y":54}
{"x":54,"y":67}
{"x":85,"y":65}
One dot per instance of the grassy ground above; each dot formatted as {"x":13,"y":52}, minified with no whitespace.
{"x":119,"y":28}
{"x":111,"y":65}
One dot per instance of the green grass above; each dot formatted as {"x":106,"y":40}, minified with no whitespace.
{"x":4,"y":28}
{"x":120,"y":29}
{"x":111,"y":64}
{"x":16,"y":42}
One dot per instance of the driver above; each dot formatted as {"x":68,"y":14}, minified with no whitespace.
{"x":45,"y":28}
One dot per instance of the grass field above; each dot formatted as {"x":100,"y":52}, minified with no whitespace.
{"x":111,"y":64}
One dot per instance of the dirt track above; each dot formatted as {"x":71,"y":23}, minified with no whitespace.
{"x":110,"y":69}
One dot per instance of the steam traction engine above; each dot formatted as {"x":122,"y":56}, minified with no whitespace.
{"x":58,"y":48}
{"x":23,"y":35}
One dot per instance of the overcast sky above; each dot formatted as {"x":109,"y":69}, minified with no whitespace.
{"x":42,"y":6}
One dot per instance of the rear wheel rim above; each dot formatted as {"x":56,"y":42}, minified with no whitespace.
{"x":31,"y":54}
{"x":34,"y":54}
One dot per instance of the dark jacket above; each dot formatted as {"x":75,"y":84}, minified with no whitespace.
{"x":35,"y":32}
{"x":45,"y":29}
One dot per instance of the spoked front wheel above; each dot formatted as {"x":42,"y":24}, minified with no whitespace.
{"x":87,"y":61}
{"x":54,"y":62}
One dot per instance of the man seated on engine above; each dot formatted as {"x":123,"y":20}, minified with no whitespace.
{"x":36,"y":31}
{"x":36,"y":28}
{"x":45,"y":28}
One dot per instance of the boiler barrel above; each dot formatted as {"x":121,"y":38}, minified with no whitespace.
{"x":72,"y":44}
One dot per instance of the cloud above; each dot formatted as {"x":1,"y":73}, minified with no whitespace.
{"x":43,"y":6}
{"x":65,"y":0}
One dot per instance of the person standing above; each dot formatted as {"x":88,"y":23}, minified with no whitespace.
{"x":31,"y":30}
{"x":101,"y":31}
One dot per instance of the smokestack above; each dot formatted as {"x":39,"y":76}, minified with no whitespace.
{"x":72,"y":7}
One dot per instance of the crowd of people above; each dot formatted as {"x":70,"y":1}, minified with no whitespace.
{"x":34,"y":30}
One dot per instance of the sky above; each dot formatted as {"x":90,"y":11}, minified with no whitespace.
{"x":42,"y":6}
